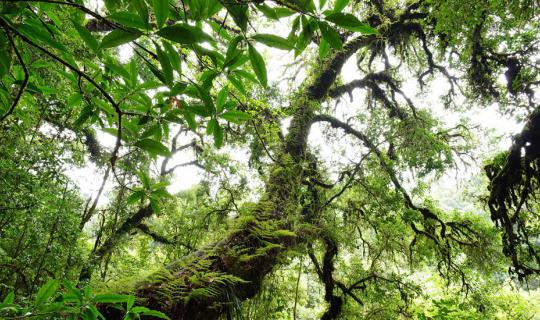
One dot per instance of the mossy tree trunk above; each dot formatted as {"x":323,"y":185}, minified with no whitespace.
{"x":206,"y":283}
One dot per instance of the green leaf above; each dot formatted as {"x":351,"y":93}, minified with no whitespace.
{"x":87,"y":37}
{"x":142,"y":10}
{"x":166,"y":67}
{"x":5,"y":57}
{"x":74,"y":100}
{"x":211,"y":126}
{"x":174,"y":57}
{"x":257,"y":63}
{"x":221,"y":99}
{"x":159,"y":185}
{"x":340,"y":5}
{"x":235,"y":116}
{"x":135,"y":197}
{"x":330,"y":35}
{"x":128,"y":19}
{"x":130,"y":302}
{"x":324,"y":48}
{"x":111,"y":298}
{"x":237,"y":83}
{"x":34,"y":29}
{"x":190,"y":119}
{"x":184,"y":34}
{"x":218,"y":136}
{"x":46,"y":291}
{"x":9,"y":298}
{"x":153,"y":147}
{"x":147,"y":312}
{"x":85,"y":114}
{"x":283,"y":12}
{"x":239,"y":12}
{"x":232,"y":51}
{"x":350,"y":22}
{"x":118,"y":37}
{"x":273,"y":41}
{"x":308,"y":29}
{"x":267,"y":11}
{"x":154,"y":203}
{"x":161,"y":10}
{"x":73,"y":294}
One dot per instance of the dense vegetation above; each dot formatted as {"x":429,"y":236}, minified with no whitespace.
{"x":322,"y":138}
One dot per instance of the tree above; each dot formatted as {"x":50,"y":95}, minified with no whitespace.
{"x":198,"y":72}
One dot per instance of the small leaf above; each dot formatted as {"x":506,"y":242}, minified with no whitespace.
{"x":128,"y":19}
{"x":218,"y":136}
{"x":273,"y":41}
{"x":153,"y":147}
{"x":232,"y":50}
{"x":267,"y":11}
{"x":118,"y":37}
{"x":221,"y":98}
{"x":237,"y":83}
{"x":174,"y":57}
{"x":147,"y":312}
{"x":111,"y":298}
{"x":257,"y":63}
{"x":324,"y":48}
{"x":46,"y":291}
{"x":161,"y":10}
{"x":350,"y":22}
{"x":235,"y":116}
{"x":212,"y":124}
{"x":184,"y":34}
{"x":166,"y":67}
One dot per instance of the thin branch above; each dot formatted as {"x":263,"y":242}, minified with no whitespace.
{"x":26,"y":75}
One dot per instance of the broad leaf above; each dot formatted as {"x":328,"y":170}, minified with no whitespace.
{"x":46,"y":291}
{"x":111,"y":298}
{"x":235,"y":116}
{"x":273,"y":41}
{"x":161,"y":10}
{"x":218,"y":136}
{"x":257,"y":63}
{"x":118,"y":37}
{"x":340,"y":5}
{"x":87,"y":37}
{"x":153,"y":147}
{"x":129,"y":20}
{"x":184,"y":34}
{"x":330,"y":35}
{"x":350,"y":22}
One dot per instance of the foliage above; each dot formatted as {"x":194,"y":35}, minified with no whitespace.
{"x":64,"y":301}
{"x":305,"y":205}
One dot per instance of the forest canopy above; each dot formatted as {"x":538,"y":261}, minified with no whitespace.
{"x":284,"y":159}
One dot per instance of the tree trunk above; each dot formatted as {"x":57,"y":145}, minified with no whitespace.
{"x":214,"y":279}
